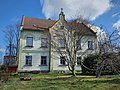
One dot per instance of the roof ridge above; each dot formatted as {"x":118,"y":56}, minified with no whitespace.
{"x":39,"y":18}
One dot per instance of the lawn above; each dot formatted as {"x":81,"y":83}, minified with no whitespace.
{"x":54,"y":81}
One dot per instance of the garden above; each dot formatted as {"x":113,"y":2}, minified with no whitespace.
{"x":62,"y":81}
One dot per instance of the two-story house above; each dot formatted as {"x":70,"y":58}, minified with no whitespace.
{"x":36,"y":55}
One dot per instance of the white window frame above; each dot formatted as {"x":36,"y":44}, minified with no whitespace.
{"x":28,"y":60}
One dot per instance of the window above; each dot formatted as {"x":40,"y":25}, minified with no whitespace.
{"x":29,"y":41}
{"x":62,"y":60}
{"x":79,"y":44}
{"x":78,"y":60}
{"x":61,"y":27}
{"x":43,"y":42}
{"x":43,"y":60}
{"x":90,"y":45}
{"x":12,"y":62}
{"x":61,"y":43}
{"x":29,"y":60}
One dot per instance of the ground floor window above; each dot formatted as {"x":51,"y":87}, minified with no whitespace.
{"x":62,"y":60}
{"x":78,"y":60}
{"x":28,"y":60}
{"x":43,"y":60}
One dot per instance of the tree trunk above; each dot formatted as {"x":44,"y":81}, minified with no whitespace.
{"x":73,"y":71}
{"x":98,"y":72}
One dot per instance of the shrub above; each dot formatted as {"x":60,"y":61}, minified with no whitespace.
{"x":89,"y":64}
{"x":3,"y":74}
{"x":107,"y":63}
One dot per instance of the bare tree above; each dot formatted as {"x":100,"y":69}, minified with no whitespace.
{"x":1,"y":56}
{"x":67,"y":41}
{"x":17,"y":38}
{"x":108,"y":60}
{"x":11,"y":35}
{"x":111,"y":41}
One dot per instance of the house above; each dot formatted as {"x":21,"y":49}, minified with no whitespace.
{"x":34,"y":53}
{"x":10,"y":60}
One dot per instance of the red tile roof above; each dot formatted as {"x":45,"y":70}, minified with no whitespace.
{"x":35,"y":23}
{"x":42,"y":24}
{"x":82,"y":28}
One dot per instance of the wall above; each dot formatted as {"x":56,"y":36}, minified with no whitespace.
{"x":55,"y":56}
{"x":36,"y":51}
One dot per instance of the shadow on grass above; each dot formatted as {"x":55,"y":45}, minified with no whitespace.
{"x":59,"y":78}
{"x":113,"y":81}
{"x":79,"y":73}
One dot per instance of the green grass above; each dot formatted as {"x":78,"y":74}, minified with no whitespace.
{"x":55,"y":81}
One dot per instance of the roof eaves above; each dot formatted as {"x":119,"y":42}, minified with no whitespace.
{"x":89,"y":28}
{"x":23,"y":19}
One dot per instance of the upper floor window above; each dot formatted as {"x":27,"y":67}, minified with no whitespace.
{"x":62,"y":60}
{"x":44,"y":42}
{"x":78,"y":44}
{"x":28,"y":60}
{"x":78,"y":60}
{"x":90,"y":45}
{"x":29,"y":41}
{"x":43,"y":60}
{"x":61,"y":43}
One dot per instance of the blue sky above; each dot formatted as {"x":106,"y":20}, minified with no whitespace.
{"x":103,"y":12}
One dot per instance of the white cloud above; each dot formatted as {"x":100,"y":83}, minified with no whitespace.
{"x":2,"y":50}
{"x":117,"y":24}
{"x":115,"y":14}
{"x":87,"y":8}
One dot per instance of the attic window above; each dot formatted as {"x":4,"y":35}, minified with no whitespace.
{"x":61,"y":27}
{"x":34,"y":25}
